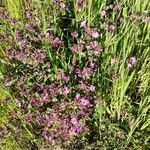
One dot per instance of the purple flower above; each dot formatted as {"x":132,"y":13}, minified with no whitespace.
{"x":112,"y":27}
{"x":93,"y":44}
{"x":3,"y":131}
{"x":76,"y":126}
{"x":29,"y":117}
{"x":66,"y":78}
{"x":82,"y":86}
{"x":74,"y":121}
{"x":83,"y":24}
{"x":57,"y":42}
{"x":95,"y":34}
{"x":39,"y":86}
{"x":14,"y":22}
{"x":7,"y":81}
{"x":80,"y":5}
{"x":86,"y":72}
{"x":18,"y":103}
{"x":11,"y":53}
{"x":56,"y":1}
{"x":131,"y":61}
{"x":92,"y":88}
{"x":63,"y":105}
{"x":76,"y":48}
{"x":39,"y":56}
{"x":62,"y":5}
{"x":30,"y":26}
{"x":118,"y":7}
{"x":48,"y":36}
{"x":97,"y":51}
{"x":74,"y":34}
{"x":84,"y":102}
{"x":92,"y":65}
{"x":78,"y":96}
{"x":44,"y":98}
{"x":65,"y":90}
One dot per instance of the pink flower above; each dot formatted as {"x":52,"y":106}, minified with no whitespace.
{"x":74,"y":121}
{"x":118,"y":7}
{"x":74,"y":34}
{"x":83,"y":24}
{"x":30,"y":26}
{"x":18,"y":103}
{"x":57,"y":42}
{"x":86,"y":72}
{"x":93,"y":44}
{"x":95,"y":34}
{"x":84,"y":102}
{"x":112,"y":27}
{"x":29,"y":117}
{"x":62,"y":5}
{"x":131,"y":61}
{"x":92,"y":65}
{"x":66,"y":78}
{"x":76,"y":126}
{"x":65,"y":90}
{"x":78,"y":96}
{"x":74,"y":48}
{"x":77,"y":48}
{"x":92,"y":88}
{"x":82,"y":86}
{"x":97,"y":51}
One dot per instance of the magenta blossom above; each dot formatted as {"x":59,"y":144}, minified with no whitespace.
{"x":76,"y":48}
{"x":65,"y":90}
{"x":92,"y":65}
{"x":74,"y":121}
{"x":62,"y":5}
{"x":66,"y":78}
{"x":82,"y":86}
{"x":76,"y":126}
{"x":84,"y":102}
{"x":78,"y":96}
{"x":93,"y":44}
{"x":95,"y":34}
{"x":74,"y":34}
{"x":97,"y":51}
{"x":92,"y":88}
{"x":112,"y":27}
{"x":131,"y":61}
{"x":57,"y":42}
{"x":83,"y":24}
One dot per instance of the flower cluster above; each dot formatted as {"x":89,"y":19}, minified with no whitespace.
{"x":57,"y":101}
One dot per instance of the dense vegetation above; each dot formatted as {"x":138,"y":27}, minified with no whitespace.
{"x":74,"y":74}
